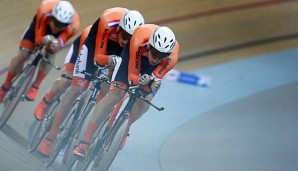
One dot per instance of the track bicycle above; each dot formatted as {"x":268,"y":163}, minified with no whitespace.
{"x":104,"y":128}
{"x":21,"y":84}
{"x":105,"y":148}
{"x":45,"y":124}
{"x":76,"y":116}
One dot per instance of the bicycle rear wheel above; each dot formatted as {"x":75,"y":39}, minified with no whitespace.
{"x":112,"y":144}
{"x":43,"y":126}
{"x":19,"y":87}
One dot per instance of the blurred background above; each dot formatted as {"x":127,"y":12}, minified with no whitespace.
{"x":215,"y":37}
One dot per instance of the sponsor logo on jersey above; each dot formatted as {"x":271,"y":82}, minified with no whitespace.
{"x":102,"y":42}
{"x":167,"y":63}
{"x":77,"y":65}
{"x":137,"y":57}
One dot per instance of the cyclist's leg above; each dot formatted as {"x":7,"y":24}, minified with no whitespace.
{"x":17,"y":63}
{"x":66,"y":105}
{"x":103,"y":107}
{"x":140,"y":107}
{"x":62,"y":83}
{"x":105,"y":87}
{"x":115,"y":49}
{"x":43,"y":70}
{"x":63,"y":109}
{"x":98,"y":117}
{"x":79,"y":84}
{"x":59,"y":86}
{"x":15,"y":67}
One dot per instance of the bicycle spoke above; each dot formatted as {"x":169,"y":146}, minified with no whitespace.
{"x":112,"y":144}
{"x":19,"y":87}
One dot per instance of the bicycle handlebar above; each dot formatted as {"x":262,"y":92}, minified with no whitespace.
{"x":51,"y":63}
{"x":103,"y":79}
{"x":37,"y":52}
{"x":134,"y":90}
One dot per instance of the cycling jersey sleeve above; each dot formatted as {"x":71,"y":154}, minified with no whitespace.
{"x":134,"y":66}
{"x":167,"y":64}
{"x":41,"y":20}
{"x":101,"y":43}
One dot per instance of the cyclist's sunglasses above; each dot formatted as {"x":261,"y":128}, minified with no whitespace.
{"x":58,"y":24}
{"x":124,"y":34}
{"x":157,"y":54}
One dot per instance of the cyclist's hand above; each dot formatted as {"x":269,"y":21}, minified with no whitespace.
{"x":145,"y":79}
{"x":113,"y":59}
{"x":96,"y":64}
{"x":54,"y":44}
{"x":155,"y":85}
{"x":50,"y":42}
{"x":47,"y":39}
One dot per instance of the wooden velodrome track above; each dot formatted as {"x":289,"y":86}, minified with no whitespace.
{"x":209,"y":31}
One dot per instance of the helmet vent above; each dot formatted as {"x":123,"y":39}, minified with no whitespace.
{"x":172,"y":45}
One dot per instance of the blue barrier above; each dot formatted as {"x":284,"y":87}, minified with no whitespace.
{"x":188,"y":78}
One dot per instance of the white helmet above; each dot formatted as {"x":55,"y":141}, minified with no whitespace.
{"x":131,"y":20}
{"x":63,"y":12}
{"x":163,"y":40}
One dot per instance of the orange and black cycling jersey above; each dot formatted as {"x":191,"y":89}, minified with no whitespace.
{"x":43,"y":16}
{"x":107,"y":30}
{"x":139,"y":49}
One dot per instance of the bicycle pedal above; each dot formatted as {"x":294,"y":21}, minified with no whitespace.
{"x":61,"y":128}
{"x":23,"y":98}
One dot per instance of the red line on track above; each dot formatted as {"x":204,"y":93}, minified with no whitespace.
{"x":223,"y":10}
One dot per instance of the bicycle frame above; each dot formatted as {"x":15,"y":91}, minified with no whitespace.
{"x":119,"y":128}
{"x":21,"y":84}
{"x":77,"y":118}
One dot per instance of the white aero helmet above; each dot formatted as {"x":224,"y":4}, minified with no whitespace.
{"x":163,"y":39}
{"x":63,"y":12}
{"x":131,"y":20}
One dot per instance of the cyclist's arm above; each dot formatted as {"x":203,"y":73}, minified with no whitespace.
{"x":136,"y":49}
{"x":101,"y":43}
{"x":167,"y":64}
{"x":42,"y":17}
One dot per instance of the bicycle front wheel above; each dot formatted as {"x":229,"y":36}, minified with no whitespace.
{"x":43,"y":126}
{"x":76,"y":134}
{"x":19,"y":87}
{"x":112,"y":144}
{"x":64,"y":134}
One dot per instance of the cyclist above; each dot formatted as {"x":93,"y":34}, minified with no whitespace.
{"x":151,"y":53}
{"x":54,"y":23}
{"x":64,"y":82}
{"x":104,"y":44}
